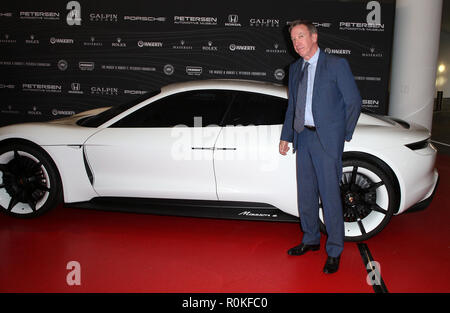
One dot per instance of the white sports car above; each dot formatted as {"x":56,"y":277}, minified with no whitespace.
{"x":207,"y":148}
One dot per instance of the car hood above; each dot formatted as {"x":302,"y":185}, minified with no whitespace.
{"x":64,"y":131}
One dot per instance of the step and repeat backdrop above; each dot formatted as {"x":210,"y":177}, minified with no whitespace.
{"x":59,"y":58}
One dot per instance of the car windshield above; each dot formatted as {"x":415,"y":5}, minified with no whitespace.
{"x":103,"y":117}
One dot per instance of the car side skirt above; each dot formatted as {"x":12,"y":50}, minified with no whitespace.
{"x":189,"y":208}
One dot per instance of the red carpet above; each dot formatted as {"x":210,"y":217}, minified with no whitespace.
{"x":125,"y":252}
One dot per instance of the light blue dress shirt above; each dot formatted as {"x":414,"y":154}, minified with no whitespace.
{"x":309,"y":120}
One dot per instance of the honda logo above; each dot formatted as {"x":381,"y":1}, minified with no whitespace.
{"x":233,"y":18}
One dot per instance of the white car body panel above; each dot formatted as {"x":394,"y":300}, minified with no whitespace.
{"x":155,"y":168}
{"x":255,"y":171}
{"x":161,"y":163}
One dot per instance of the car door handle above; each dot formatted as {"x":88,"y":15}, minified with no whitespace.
{"x":202,"y":148}
{"x":211,"y":148}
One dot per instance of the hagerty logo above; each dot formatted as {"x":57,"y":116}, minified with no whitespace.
{"x":234,"y":47}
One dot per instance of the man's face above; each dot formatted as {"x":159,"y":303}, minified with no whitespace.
{"x":305,"y":43}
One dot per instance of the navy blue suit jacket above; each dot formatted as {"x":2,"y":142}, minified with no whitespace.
{"x":336,"y":103}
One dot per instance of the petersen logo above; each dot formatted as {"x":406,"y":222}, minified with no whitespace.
{"x":74,"y":16}
{"x":195,"y":20}
{"x":42,"y":88}
{"x":373,"y":103}
{"x":39,"y":15}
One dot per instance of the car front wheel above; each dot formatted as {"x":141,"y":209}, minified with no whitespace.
{"x":368,"y":199}
{"x":29,"y":182}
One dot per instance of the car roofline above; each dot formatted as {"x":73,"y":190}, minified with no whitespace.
{"x":232,"y":84}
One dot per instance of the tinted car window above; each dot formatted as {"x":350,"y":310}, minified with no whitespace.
{"x":256,"y":109}
{"x":180,"y":108}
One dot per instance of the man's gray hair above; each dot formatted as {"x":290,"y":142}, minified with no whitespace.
{"x":312,"y":29}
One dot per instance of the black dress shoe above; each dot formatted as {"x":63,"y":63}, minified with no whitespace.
{"x":332,"y":265}
{"x":302,"y":249}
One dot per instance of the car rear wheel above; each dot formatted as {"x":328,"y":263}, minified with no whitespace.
{"x":29,"y":182}
{"x":368,"y":199}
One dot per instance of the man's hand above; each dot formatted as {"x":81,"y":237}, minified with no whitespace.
{"x":284,"y":148}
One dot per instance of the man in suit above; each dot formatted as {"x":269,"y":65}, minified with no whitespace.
{"x":324,"y":106}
